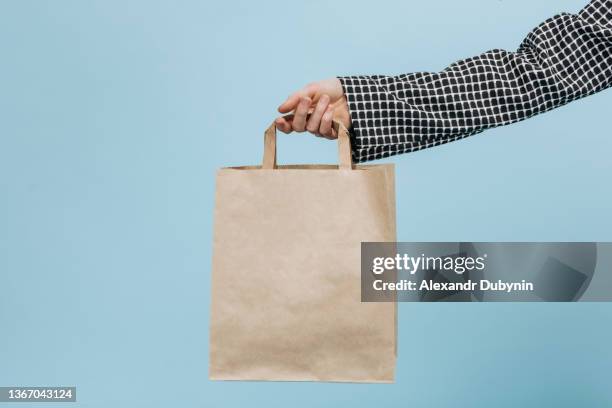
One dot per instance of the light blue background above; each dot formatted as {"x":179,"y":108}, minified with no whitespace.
{"x":114,"y":116}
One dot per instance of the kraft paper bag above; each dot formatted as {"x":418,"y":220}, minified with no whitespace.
{"x":286,"y":300}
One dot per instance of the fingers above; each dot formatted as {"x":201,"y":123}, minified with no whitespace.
{"x":284,"y":125}
{"x":314,"y":121}
{"x":326,"y":128}
{"x":323,"y":119}
{"x":299,"y":116}
{"x":311,"y":109}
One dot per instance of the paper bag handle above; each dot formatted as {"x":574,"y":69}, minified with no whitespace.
{"x":344,"y":147}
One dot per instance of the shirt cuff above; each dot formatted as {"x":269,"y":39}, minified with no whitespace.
{"x":374,"y":117}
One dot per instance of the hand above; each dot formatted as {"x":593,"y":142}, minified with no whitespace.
{"x":324,"y":101}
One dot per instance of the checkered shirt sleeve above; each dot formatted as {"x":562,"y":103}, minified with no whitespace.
{"x":567,"y":57}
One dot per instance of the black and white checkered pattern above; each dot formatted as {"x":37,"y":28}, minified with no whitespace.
{"x":565,"y":58}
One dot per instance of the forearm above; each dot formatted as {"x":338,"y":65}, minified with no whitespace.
{"x":565,"y":58}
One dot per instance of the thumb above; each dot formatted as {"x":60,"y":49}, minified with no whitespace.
{"x":290,"y":104}
{"x":294,"y":99}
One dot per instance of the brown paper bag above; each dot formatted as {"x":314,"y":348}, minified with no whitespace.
{"x":286,"y":271}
